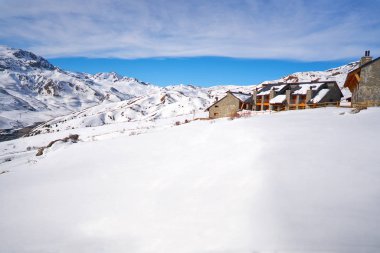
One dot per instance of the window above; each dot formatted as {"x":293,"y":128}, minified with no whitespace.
{"x":216,"y":114}
{"x":216,"y":106}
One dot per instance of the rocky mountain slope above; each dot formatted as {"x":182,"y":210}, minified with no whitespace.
{"x":33,"y":90}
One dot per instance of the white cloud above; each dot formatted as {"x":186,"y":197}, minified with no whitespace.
{"x":292,"y":29}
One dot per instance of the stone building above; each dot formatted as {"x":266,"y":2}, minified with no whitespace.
{"x":230,"y":104}
{"x":293,"y":96}
{"x":364,"y":82}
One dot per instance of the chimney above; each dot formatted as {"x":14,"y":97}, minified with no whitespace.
{"x":216,"y":99}
{"x":366,"y":58}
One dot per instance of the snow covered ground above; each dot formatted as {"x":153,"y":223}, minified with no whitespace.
{"x":296,"y":181}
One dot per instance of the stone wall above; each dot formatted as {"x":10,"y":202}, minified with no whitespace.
{"x":254,"y":100}
{"x":369,"y":85}
{"x":288,"y":94}
{"x":226,"y":107}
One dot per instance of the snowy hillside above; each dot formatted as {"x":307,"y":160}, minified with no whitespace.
{"x":165,"y":104}
{"x":278,"y":183}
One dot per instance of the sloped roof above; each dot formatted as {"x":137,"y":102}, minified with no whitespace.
{"x":243,"y":97}
{"x":301,"y":89}
{"x":320,"y":95}
{"x":266,"y":88}
{"x":279,"y":99}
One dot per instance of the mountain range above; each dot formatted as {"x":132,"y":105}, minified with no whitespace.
{"x":33,"y":90}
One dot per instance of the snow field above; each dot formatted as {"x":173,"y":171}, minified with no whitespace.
{"x":297,"y":181}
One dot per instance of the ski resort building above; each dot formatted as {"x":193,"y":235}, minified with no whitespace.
{"x":278,"y":97}
{"x":230,"y":104}
{"x":293,"y":96}
{"x":364,"y":82}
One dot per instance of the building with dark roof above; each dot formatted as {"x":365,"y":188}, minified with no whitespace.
{"x":290,"y":96}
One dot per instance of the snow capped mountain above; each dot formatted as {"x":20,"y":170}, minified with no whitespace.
{"x":20,"y":60}
{"x":33,"y":90}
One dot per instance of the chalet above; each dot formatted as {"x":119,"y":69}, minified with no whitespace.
{"x":230,"y":104}
{"x":364,"y":82}
{"x":292,"y":96}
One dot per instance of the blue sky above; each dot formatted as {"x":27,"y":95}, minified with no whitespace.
{"x":203,"y":71}
{"x":193,"y":41}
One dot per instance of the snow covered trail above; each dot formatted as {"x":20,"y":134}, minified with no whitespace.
{"x":299,"y":181}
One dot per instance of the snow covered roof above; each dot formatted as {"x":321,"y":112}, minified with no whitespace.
{"x":301,"y":89}
{"x":265,"y":90}
{"x":321,"y":94}
{"x":279,"y":99}
{"x":242,"y":96}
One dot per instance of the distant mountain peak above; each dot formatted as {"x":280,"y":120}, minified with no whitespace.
{"x":21,"y":60}
{"x":112,"y":76}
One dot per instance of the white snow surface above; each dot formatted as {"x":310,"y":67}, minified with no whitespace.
{"x":280,"y":182}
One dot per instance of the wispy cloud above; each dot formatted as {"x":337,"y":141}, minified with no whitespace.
{"x":294,"y":29}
